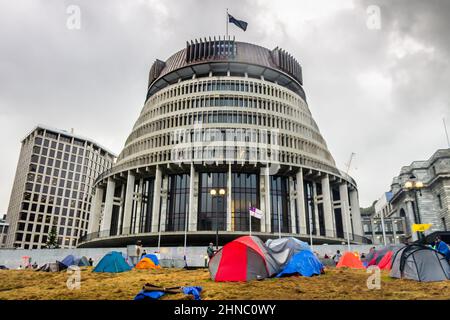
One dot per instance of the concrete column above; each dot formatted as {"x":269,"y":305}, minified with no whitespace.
{"x":137,"y":224}
{"x":96,"y":210}
{"x":356,"y":213}
{"x":343,"y":192}
{"x":262,"y":194}
{"x":156,"y":200}
{"x":192,"y":224}
{"x":316,"y":209}
{"x":107,"y":212}
{"x":268,"y":215}
{"x":229,"y":220}
{"x":126,"y":228}
{"x":121,"y":209}
{"x":164,"y":208}
{"x":301,"y":203}
{"x":327,"y":207}
{"x":292,"y":205}
{"x":411,"y":220}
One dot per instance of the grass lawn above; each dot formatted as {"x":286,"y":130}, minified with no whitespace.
{"x":334,"y":284}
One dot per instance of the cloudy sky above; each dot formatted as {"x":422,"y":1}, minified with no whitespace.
{"x":378,"y":92}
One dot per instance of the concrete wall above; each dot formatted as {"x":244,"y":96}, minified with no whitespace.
{"x":169,"y":256}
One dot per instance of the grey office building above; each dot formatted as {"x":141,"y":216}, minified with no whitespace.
{"x":53,"y":187}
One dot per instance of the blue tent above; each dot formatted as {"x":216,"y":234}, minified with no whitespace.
{"x":152,"y":257}
{"x":112,"y":262}
{"x":70,"y":260}
{"x":443,"y":248}
{"x":304,"y":263}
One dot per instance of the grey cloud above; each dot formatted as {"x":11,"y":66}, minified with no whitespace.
{"x":94,"y":79}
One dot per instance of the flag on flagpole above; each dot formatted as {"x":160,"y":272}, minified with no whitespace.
{"x":254,"y":212}
{"x":239,"y":23}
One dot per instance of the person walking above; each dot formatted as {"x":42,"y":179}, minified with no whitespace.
{"x":137,"y":252}
{"x":210,"y":251}
{"x":91,"y":262}
{"x":337,"y":257}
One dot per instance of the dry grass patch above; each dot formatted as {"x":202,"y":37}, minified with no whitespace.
{"x":334,"y":284}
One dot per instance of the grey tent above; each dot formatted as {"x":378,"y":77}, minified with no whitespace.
{"x":53,"y":267}
{"x":83,"y":262}
{"x":421,"y":263}
{"x":283,"y":249}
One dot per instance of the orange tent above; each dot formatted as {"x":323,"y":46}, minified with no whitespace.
{"x":386,"y":261}
{"x":146,"y":263}
{"x":350,"y":260}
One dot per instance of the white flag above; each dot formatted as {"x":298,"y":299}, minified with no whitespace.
{"x":254,"y":212}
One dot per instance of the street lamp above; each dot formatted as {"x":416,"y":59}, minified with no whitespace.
{"x":217,"y":193}
{"x":414,"y":185}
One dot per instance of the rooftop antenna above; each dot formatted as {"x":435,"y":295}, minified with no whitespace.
{"x":446,"y":132}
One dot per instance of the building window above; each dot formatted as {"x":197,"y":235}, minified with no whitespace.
{"x":147,"y":205}
{"x":309,"y":207}
{"x":280,"y":209}
{"x":439,"y":201}
{"x":245,"y":193}
{"x":212,"y":213}
{"x":177,"y":202}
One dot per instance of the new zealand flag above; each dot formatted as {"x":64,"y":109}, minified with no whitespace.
{"x":241,"y":24}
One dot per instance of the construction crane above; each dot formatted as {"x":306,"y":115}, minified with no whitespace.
{"x":349,"y":163}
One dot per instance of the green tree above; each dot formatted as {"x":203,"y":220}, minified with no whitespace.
{"x":52,"y":239}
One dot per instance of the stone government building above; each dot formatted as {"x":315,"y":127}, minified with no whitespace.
{"x":233,"y":117}
{"x":433,"y":201}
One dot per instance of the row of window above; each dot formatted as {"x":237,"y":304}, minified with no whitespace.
{"x":54,"y":173}
{"x":212,"y":209}
{"x":36,"y":241}
{"x":241,"y":85}
{"x":224,"y":117}
{"x":261,"y":104}
{"x":179,"y":138}
{"x":236,"y":153}
{"x":66,"y":165}
{"x":65,"y":143}
{"x":305,"y":121}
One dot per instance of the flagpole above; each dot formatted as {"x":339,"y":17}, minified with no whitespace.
{"x":249,"y":217}
{"x":227,"y":22}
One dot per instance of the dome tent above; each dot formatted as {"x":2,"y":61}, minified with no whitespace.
{"x":148,"y":261}
{"x":421,"y":263}
{"x":304,"y":263}
{"x":283,"y":249}
{"x":243,"y":259}
{"x":350,"y":260}
{"x":71,"y":260}
{"x":112,"y":262}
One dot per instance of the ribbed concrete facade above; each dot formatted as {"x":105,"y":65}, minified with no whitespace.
{"x":228,"y":116}
{"x":53,"y":187}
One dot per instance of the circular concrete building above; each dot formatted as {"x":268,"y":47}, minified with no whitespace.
{"x":225,"y":127}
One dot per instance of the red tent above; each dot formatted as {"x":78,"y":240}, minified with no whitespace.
{"x":386,"y":262}
{"x":243,"y":259}
{"x":350,"y":260}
